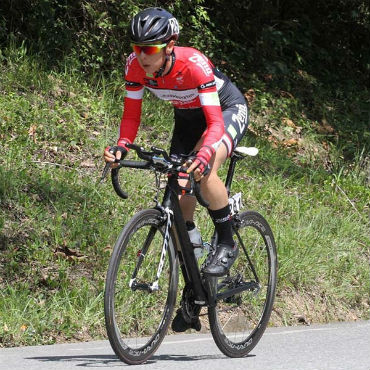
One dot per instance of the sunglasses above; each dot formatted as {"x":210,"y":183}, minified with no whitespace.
{"x":148,"y":49}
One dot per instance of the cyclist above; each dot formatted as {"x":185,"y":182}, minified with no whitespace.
{"x":211,"y":117}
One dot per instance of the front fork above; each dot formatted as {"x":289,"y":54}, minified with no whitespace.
{"x":154,"y":286}
{"x":169,"y":217}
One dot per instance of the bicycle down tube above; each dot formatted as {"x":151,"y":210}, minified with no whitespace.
{"x":182,"y":240}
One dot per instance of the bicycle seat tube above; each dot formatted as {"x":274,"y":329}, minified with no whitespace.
{"x":231,"y":170}
{"x":171,"y":201}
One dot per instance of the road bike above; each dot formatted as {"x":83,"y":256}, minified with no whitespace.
{"x":154,"y":246}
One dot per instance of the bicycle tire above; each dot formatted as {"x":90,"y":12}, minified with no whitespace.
{"x":238,"y":322}
{"x":137,"y":320}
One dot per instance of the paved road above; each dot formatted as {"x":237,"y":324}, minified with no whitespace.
{"x":343,"y":346}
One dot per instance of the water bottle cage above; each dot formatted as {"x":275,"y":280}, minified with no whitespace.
{"x":201,"y":250}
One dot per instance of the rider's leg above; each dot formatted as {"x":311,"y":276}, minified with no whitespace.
{"x":214,"y":190}
{"x":187,"y":204}
{"x":211,"y":186}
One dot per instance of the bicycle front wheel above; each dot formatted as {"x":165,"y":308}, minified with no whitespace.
{"x":245,"y":296}
{"x":138,"y":312}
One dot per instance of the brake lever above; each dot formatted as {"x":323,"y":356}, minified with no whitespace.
{"x":106,"y":168}
{"x":105,"y":172}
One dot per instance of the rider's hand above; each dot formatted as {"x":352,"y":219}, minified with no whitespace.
{"x":111,"y":154}
{"x":200,"y":164}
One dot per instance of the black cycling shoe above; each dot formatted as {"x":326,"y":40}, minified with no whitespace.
{"x":221,"y":260}
{"x":180,"y":324}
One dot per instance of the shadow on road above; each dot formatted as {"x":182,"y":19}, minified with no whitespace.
{"x":82,"y":360}
{"x":112,"y":360}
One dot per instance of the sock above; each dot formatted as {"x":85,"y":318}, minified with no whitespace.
{"x":222,"y":221}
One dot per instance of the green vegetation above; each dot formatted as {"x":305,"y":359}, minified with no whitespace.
{"x":311,"y":179}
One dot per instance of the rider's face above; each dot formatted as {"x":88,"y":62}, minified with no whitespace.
{"x":152,"y":63}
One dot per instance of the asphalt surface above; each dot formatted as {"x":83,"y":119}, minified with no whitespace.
{"x":344,"y":346}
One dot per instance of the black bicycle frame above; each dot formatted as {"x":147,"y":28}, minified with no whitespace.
{"x":230,"y":172}
{"x":204,"y":293}
{"x":182,"y":242}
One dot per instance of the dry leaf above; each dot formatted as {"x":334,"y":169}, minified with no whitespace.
{"x":108,"y":248}
{"x":286,"y":94}
{"x":325,"y":145}
{"x":289,"y":122}
{"x":290,"y":142}
{"x":325,"y":128}
{"x":68,"y":253}
{"x":250,"y":95}
{"x":268,"y":77}
{"x":87,"y":164}
{"x":32,"y":132}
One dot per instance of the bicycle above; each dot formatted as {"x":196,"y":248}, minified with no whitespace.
{"x":143,"y":273}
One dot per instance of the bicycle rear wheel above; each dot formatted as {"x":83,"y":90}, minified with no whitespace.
{"x":238,"y":321}
{"x":136,"y":315}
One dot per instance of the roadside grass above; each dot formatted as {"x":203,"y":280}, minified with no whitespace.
{"x":58,"y":226}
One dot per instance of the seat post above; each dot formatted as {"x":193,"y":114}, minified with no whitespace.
{"x":230,"y":172}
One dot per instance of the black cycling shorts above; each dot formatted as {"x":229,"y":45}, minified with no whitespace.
{"x":191,"y":123}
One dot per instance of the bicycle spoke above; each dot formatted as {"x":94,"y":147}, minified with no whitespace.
{"x":137,"y":317}
{"x":245,"y":297}
{"x":142,"y":252}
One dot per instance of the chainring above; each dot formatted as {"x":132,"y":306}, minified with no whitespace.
{"x":190,"y":310}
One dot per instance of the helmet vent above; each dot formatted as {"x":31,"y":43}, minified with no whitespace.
{"x":153,"y":25}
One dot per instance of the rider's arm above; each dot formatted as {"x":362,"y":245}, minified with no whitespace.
{"x":132,"y":103}
{"x":210,"y":102}
{"x":204,"y":79}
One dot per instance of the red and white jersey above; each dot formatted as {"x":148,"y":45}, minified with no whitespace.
{"x":190,"y":83}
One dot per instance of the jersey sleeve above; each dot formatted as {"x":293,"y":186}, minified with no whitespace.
{"x":132,"y":102}
{"x":205,"y":81}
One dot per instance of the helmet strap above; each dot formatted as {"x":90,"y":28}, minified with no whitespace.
{"x":160,"y":71}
